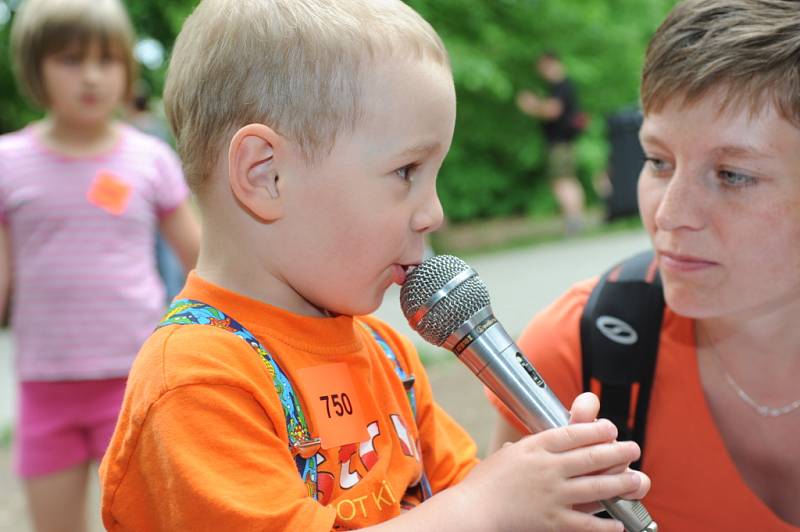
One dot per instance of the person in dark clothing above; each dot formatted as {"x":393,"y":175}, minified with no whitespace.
{"x":560,"y":124}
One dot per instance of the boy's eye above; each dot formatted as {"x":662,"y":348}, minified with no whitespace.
{"x":732,"y":179}
{"x":405,"y":172}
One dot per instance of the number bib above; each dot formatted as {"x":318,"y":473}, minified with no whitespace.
{"x":329,"y":393}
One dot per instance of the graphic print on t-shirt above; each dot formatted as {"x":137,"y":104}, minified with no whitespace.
{"x":346,"y":468}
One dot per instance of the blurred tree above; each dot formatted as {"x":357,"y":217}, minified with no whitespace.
{"x":497,"y":152}
{"x":496,"y":163}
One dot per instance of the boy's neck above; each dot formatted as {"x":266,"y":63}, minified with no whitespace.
{"x":242,"y":277}
{"x":78,"y":139}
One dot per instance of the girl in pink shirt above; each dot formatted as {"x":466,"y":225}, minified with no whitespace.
{"x":81,"y":199}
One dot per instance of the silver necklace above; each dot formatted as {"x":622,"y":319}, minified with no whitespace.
{"x":761,"y":410}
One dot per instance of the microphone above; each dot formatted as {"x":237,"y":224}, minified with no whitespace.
{"x":447,"y":303}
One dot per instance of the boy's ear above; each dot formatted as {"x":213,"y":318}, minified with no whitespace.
{"x":253,"y":172}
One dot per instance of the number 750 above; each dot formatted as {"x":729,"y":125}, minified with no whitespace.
{"x":340,"y":402}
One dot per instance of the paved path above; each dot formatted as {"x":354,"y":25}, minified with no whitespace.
{"x":520,"y":283}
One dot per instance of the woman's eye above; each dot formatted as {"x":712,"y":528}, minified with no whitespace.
{"x":736,"y":180}
{"x":656,"y":164}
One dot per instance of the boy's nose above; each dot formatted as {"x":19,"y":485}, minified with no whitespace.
{"x":429,"y":216}
{"x":682,"y":203}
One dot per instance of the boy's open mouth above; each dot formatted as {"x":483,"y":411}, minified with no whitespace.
{"x":401,"y":272}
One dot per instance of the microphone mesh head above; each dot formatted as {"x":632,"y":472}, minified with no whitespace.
{"x":451,"y":311}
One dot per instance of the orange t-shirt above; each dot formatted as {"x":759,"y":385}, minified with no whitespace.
{"x":201,"y":441}
{"x":696,"y":486}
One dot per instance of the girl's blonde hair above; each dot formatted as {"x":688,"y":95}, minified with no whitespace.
{"x":44,"y":27}
{"x":295,"y":65}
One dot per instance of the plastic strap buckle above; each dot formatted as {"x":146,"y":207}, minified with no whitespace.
{"x":306,"y":448}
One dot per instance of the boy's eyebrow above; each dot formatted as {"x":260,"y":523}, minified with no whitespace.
{"x":423,"y":147}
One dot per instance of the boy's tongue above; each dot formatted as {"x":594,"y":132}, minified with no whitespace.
{"x":398,"y":274}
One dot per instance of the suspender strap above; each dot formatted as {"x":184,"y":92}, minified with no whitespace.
{"x":408,"y":384}
{"x":620,"y":330}
{"x":407,"y":380}
{"x":301,"y":444}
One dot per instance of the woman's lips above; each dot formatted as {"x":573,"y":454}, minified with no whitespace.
{"x":683,"y":263}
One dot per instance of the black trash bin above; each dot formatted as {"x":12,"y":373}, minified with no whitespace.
{"x":624,"y":163}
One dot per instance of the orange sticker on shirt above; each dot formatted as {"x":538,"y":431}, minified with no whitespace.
{"x":109,"y":193}
{"x":329,"y":393}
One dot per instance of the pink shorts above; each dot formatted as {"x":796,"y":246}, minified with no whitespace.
{"x":64,"y":423}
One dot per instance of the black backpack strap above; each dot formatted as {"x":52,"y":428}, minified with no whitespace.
{"x":620,"y":329}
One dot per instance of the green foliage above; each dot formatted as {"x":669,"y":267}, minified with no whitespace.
{"x":160,"y":20}
{"x":496,"y":164}
{"x":14,"y":111}
{"x":495,"y":167}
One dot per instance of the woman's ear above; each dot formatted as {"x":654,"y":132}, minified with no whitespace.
{"x":253,"y":171}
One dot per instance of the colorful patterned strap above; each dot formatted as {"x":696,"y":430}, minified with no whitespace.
{"x":407,"y":380}
{"x":301,"y":444}
{"x":408,"y":384}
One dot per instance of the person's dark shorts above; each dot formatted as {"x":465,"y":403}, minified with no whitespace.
{"x":561,"y":161}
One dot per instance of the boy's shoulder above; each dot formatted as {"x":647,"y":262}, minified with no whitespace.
{"x":399,"y":345}
{"x":184,"y":355}
{"x":386,"y":332}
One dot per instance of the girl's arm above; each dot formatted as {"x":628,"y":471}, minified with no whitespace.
{"x":5,"y":270}
{"x":181,"y":230}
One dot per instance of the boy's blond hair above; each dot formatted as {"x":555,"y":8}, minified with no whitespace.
{"x":749,"y":48}
{"x":44,"y":27}
{"x":294,"y":65}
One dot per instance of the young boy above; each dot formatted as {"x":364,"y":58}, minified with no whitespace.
{"x":312,"y":133}
{"x":719,"y":195}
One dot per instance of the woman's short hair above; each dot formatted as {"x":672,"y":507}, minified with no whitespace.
{"x":749,"y":49}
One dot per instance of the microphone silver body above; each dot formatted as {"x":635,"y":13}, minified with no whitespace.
{"x":494,"y":357}
{"x":484,"y":346}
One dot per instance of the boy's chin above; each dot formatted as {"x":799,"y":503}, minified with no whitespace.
{"x":353,"y":308}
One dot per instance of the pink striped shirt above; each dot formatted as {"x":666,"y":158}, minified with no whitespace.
{"x":86,"y":292}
